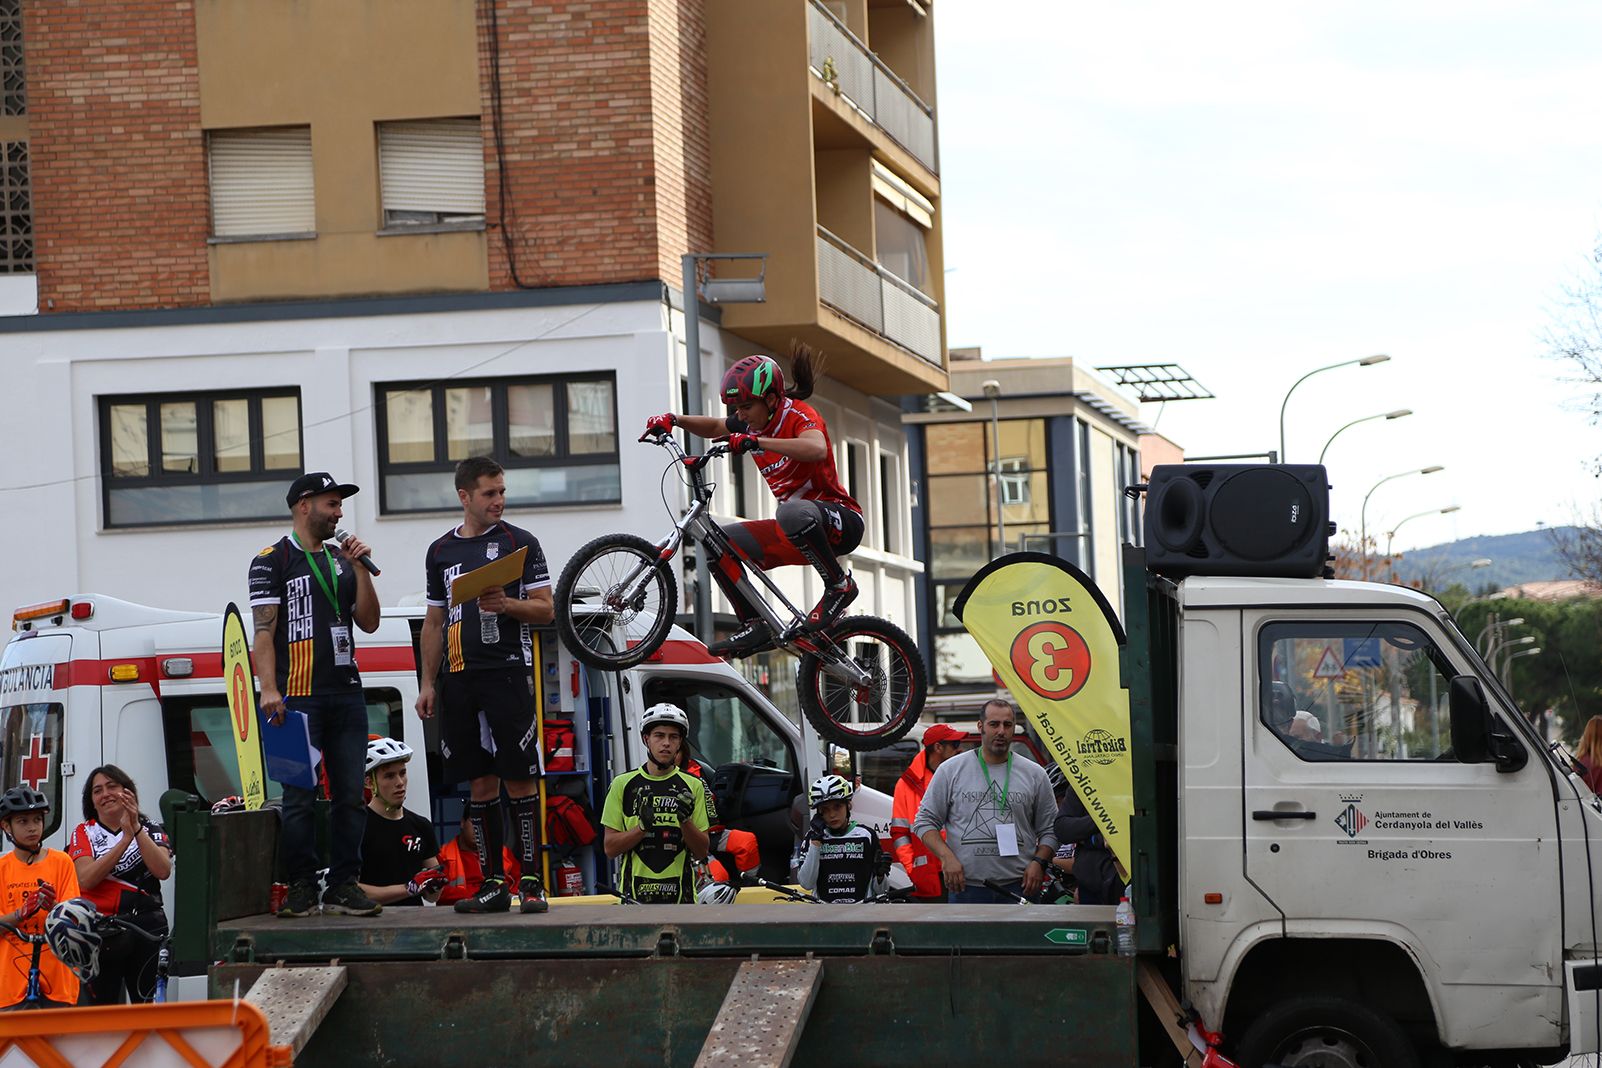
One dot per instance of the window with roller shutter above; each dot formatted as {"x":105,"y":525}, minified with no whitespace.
{"x":261,"y":183}
{"x":431,"y":173}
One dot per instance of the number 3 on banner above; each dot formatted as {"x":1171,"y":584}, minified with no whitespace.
{"x":1051,"y":659}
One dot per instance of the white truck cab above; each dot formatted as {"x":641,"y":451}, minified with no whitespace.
{"x":1352,"y":853}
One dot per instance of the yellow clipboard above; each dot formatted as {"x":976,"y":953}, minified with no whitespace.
{"x":501,"y":572}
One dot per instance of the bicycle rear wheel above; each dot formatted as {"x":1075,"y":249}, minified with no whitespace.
{"x":625,"y":578}
{"x":869,"y":715}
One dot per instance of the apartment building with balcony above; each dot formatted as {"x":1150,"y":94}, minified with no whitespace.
{"x":242,"y":238}
{"x":1040,"y":462}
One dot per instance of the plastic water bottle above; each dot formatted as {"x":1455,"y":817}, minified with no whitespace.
{"x":1125,"y":919}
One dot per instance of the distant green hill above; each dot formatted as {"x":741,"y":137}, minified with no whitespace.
{"x":1515,"y":558}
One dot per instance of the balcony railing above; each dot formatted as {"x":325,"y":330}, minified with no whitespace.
{"x":870,"y":86}
{"x":856,"y":287}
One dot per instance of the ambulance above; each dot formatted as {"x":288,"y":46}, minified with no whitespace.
{"x":90,"y":680}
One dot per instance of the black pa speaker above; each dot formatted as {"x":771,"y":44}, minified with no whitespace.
{"x":1238,"y":519}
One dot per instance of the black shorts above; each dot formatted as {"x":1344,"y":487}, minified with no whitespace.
{"x":487,"y":723}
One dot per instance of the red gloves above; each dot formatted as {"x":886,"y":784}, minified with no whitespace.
{"x":740,"y":443}
{"x":34,"y":900}
{"x":660,"y":424}
{"x":428,"y":881}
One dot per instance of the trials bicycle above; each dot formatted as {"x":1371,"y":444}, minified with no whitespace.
{"x":860,"y":681}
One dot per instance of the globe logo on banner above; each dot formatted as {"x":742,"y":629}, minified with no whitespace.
{"x":1052,"y":659}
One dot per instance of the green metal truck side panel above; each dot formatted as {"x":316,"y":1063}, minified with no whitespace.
{"x":1070,"y":1011}
{"x":1150,"y":673}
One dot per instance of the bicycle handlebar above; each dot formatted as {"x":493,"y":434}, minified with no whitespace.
{"x":122,"y":924}
{"x":23,"y":935}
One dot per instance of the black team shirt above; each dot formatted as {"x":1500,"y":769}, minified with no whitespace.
{"x":474,"y":639}
{"x":303,"y":642}
{"x":394,"y":850}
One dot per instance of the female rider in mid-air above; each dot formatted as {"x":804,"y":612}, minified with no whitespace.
{"x":816,"y":522}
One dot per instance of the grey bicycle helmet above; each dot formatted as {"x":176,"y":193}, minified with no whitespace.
{"x":21,"y":799}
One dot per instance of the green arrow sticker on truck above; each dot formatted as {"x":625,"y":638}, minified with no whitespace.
{"x":1068,"y":936}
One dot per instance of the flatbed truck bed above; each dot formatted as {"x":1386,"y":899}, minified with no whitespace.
{"x":642,"y":984}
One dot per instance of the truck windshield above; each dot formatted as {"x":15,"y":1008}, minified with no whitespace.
{"x":1355,"y":690}
{"x":724,"y":727}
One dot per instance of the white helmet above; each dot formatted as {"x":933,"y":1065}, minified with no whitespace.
{"x":715,"y":893}
{"x":382,"y":751}
{"x":663,"y":712}
{"x":70,"y":930}
{"x":829,"y":788}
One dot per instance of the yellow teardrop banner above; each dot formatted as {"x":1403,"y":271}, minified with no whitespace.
{"x":1055,"y":644}
{"x":240,"y":682}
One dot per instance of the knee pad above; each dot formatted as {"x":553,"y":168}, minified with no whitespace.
{"x":799,"y":520}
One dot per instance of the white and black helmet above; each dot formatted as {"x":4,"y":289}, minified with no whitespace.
{"x":715,"y":893}
{"x":664,"y":712}
{"x":829,"y":788}
{"x":70,"y":930}
{"x":382,"y":751}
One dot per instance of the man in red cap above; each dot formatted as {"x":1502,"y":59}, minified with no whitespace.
{"x":939,"y":742}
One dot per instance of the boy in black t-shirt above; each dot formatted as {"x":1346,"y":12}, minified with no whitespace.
{"x":485,"y":649}
{"x":400,"y":855}
{"x":305,"y":597}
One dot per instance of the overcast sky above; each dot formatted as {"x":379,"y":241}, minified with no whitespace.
{"x":1255,"y":190}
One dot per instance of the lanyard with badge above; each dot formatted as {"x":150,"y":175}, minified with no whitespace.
{"x":339,"y":632}
{"x":1006,"y":833}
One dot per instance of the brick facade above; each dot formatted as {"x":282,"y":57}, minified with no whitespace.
{"x":120,"y":205}
{"x":607,"y":162}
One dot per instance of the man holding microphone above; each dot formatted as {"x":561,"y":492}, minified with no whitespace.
{"x":305,"y":597}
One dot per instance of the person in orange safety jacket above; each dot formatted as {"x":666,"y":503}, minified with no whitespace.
{"x":739,"y":845}
{"x":923,"y":867}
{"x":459,"y":860}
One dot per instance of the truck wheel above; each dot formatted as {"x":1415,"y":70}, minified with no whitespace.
{"x":1325,"y":1032}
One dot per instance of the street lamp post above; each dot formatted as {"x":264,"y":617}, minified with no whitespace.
{"x":1490,"y":634}
{"x":992,"y":390}
{"x":1363,"y":514}
{"x":715,"y":291}
{"x":1507,"y":664}
{"x":1391,"y":534}
{"x":1400,"y":413}
{"x":1366,"y":361}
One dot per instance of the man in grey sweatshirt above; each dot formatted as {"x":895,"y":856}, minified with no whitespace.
{"x":996,"y":811}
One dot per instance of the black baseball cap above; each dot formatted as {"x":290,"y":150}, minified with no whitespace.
{"x":314,"y":482}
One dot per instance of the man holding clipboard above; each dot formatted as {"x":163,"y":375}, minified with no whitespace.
{"x":487,"y":584}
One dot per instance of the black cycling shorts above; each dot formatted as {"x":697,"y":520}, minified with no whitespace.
{"x":487,"y":723}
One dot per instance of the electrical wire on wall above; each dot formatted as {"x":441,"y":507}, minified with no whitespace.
{"x":505,"y":215}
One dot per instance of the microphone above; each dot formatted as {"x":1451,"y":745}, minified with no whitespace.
{"x":342,"y":535}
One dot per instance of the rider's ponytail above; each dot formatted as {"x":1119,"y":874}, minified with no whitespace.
{"x":806,"y":367}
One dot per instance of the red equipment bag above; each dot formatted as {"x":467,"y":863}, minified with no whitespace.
{"x":559,"y":741}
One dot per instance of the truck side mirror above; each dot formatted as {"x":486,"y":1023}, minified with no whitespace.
{"x":1471,"y":721}
{"x":1475,"y":738}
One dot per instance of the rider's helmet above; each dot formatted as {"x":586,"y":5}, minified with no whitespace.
{"x":382,"y":751}
{"x":829,"y":788}
{"x":22,"y":799}
{"x":753,"y":378}
{"x":715,"y":893}
{"x":664,"y":712}
{"x":1054,"y":775}
{"x":70,"y":930}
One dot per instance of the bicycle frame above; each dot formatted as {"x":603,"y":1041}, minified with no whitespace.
{"x":696,"y":525}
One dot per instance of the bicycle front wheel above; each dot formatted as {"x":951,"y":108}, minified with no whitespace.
{"x":864,"y":688}
{"x":634,"y":598}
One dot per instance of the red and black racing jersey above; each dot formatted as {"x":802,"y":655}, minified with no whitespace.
{"x":303,"y":642}
{"x":788,"y":477}
{"x":474,"y":639}
{"x":130,"y":887}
